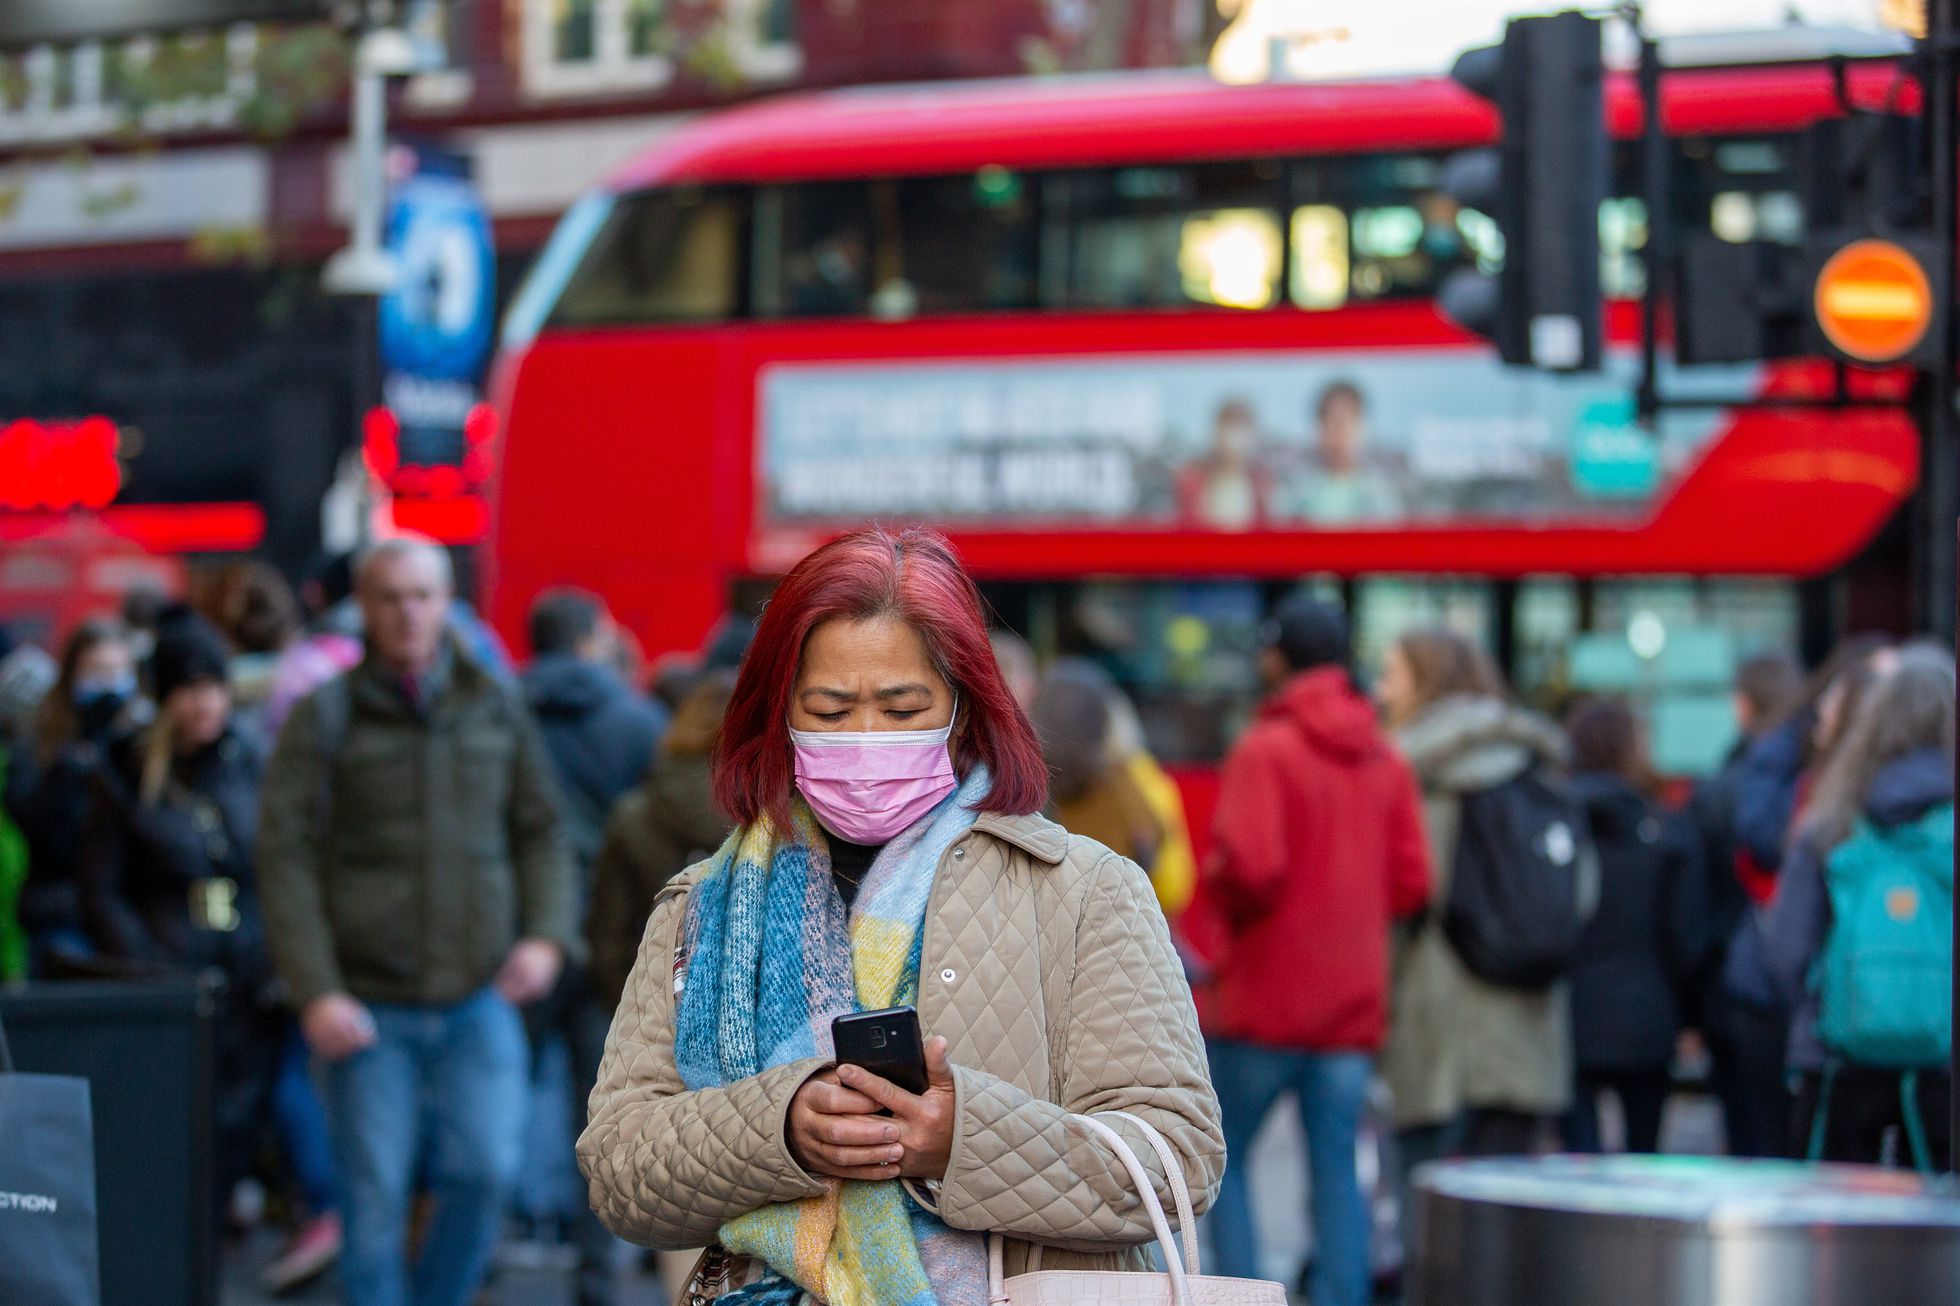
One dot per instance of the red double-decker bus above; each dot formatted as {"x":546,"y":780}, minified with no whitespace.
{"x":1152,"y":349}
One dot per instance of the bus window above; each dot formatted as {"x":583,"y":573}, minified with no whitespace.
{"x":817,"y":243}
{"x":1166,"y":237}
{"x":968,"y":242}
{"x":660,"y":256}
{"x":1738,"y":188}
{"x":1388,"y":606}
{"x":1741,"y":188}
{"x":1377,"y":226}
{"x":1669,"y":644}
{"x":1185,"y":652}
{"x":893,"y":248}
{"x":1319,"y":270}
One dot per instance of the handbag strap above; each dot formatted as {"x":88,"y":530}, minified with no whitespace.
{"x":1187,"y":1219}
{"x":1145,"y":1190}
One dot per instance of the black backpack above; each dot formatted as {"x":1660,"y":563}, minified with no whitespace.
{"x":1514,"y":913}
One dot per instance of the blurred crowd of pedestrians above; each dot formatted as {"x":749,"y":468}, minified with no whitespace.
{"x":414,"y":870}
{"x":1778,"y":934}
{"x":385,"y":849}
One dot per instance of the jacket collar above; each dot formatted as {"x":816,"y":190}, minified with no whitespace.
{"x":1037,"y":836}
{"x":454,"y":676}
{"x":1469,"y":742}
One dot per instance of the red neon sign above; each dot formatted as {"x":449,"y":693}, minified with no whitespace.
{"x":440,"y":500}
{"x":54,"y":466}
{"x":381,"y":450}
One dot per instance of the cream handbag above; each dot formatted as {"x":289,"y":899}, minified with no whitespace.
{"x":1182,"y":1286}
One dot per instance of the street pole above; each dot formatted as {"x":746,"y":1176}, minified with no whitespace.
{"x":1942,"y":423}
{"x":1660,"y":220}
{"x":364,"y":271}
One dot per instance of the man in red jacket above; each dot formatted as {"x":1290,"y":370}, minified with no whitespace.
{"x":1318,"y":848}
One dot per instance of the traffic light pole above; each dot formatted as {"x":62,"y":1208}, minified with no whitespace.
{"x":1660,"y":223}
{"x":1942,"y":423}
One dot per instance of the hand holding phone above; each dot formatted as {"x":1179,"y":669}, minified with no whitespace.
{"x":883,"y":1067}
{"x":887,"y":1043}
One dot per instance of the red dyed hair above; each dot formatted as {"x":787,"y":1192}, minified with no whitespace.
{"x":911,"y":574}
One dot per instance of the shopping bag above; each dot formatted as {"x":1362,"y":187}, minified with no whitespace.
{"x":48,"y":1253}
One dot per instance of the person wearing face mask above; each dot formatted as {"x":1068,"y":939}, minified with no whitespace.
{"x":93,"y":704}
{"x":1230,"y":487}
{"x":885,"y":787}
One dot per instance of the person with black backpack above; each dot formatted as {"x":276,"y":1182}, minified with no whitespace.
{"x":1479,"y":1054}
{"x":1628,"y":982}
{"x":1859,"y":937}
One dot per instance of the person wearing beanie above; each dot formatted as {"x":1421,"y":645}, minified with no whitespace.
{"x":189,"y":651}
{"x":169,"y":887}
{"x":1318,"y":850}
{"x":198,"y":765}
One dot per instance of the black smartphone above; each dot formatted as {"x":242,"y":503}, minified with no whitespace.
{"x":887,"y":1043}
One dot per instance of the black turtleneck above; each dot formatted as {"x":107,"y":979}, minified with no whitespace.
{"x":849,"y":864}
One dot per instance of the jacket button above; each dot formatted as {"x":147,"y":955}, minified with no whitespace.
{"x":959,"y":854}
{"x":949,"y":975}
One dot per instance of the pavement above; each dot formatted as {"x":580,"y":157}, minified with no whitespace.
{"x":527,"y":1274}
{"x":534,"y":1274}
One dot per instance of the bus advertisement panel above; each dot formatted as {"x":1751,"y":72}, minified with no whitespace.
{"x":1213,"y":442}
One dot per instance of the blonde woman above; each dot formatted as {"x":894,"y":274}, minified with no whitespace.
{"x":166,"y":870}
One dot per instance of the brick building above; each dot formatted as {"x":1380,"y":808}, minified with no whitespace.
{"x":166,"y":203}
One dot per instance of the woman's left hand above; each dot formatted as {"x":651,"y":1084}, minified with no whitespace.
{"x":925,"y":1120}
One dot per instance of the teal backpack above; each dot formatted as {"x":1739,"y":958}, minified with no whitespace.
{"x":1884,"y":981}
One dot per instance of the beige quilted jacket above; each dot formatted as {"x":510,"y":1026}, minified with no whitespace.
{"x":1047,"y":966}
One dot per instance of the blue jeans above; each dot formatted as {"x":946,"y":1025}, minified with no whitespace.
{"x":441,"y":1085}
{"x":1332,"y":1088}
{"x":303,"y":1132}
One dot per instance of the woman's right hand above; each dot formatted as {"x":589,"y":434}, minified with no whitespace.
{"x":837,"y":1131}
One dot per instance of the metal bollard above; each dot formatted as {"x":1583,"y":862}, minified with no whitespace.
{"x":1681,"y":1231}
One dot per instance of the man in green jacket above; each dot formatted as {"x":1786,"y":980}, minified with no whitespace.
{"x":417,"y":889}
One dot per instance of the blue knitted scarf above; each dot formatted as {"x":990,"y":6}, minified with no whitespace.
{"x":772,"y":957}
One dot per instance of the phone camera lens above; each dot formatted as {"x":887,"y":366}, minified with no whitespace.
{"x":877,"y":1037}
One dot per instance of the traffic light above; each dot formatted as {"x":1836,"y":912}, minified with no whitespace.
{"x":1543,"y":185}
{"x":1745,"y":301}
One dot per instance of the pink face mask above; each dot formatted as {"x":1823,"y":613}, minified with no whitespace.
{"x":866,"y":786}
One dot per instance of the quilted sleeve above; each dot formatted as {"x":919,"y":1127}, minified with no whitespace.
{"x":1019,"y":1165}
{"x":668,"y":1167}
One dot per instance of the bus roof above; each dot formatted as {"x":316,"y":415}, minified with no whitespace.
{"x":1148,"y":117}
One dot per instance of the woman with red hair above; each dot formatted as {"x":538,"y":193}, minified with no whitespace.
{"x":885,"y":787}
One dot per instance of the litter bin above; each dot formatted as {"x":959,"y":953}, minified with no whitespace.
{"x":1681,"y":1231}
{"x":145,"y":1050}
